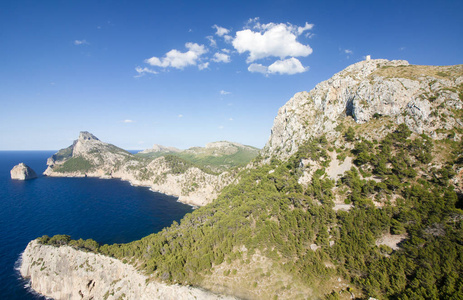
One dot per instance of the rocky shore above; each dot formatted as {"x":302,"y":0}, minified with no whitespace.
{"x":67,"y":273}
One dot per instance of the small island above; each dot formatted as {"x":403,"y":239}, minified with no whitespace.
{"x":22,"y":172}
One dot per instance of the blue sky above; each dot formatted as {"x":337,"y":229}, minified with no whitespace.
{"x":184,"y":73}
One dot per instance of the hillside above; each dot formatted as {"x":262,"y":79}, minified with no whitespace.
{"x":88,"y":156}
{"x":358,"y":193}
{"x":426,"y":98}
{"x":217,"y":157}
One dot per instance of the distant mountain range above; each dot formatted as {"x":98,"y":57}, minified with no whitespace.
{"x":195,"y":175}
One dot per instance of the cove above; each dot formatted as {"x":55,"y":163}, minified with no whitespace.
{"x":106,"y":210}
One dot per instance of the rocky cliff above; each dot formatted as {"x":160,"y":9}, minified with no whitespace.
{"x":345,"y":149}
{"x":423,"y":97}
{"x":88,"y":156}
{"x":22,"y":172}
{"x":66,"y":273}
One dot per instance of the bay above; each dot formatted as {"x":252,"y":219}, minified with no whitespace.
{"x":108,"y":211}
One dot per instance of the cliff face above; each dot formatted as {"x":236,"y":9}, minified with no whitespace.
{"x":88,"y":156}
{"x":423,"y":97}
{"x":66,"y":273}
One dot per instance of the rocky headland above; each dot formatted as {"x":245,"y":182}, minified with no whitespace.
{"x":171,"y":175}
{"x":22,"y":172}
{"x":66,"y":273}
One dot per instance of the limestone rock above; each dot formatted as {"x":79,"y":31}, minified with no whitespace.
{"x":22,"y":172}
{"x":88,"y":156}
{"x":415,"y":95}
{"x":66,"y":273}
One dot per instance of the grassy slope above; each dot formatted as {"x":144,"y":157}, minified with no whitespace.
{"x":209,"y":161}
{"x":416,"y":72}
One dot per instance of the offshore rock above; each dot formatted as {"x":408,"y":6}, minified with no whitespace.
{"x":66,"y":273}
{"x":22,"y":172}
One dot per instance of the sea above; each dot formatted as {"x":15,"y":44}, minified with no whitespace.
{"x":106,"y":210}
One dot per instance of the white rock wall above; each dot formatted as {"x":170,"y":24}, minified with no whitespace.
{"x":66,"y":273}
{"x":359,"y":92}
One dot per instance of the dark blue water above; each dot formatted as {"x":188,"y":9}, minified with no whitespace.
{"x":108,"y":211}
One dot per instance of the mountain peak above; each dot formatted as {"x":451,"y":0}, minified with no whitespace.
{"x":161,"y":149}
{"x":222,"y":144}
{"x":87,"y":136}
{"x":368,"y":90}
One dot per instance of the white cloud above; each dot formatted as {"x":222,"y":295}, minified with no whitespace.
{"x":222,"y":92}
{"x":128,"y":121}
{"x":203,"y":66}
{"x":309,"y":35}
{"x":142,"y":71}
{"x":177,"y":59}
{"x":300,"y":30}
{"x":271,"y":39}
{"x":231,"y":119}
{"x":180,"y":116}
{"x":288,"y":66}
{"x":250,"y":21}
{"x":80,"y":42}
{"x":220,"y":31}
{"x":347,"y":51}
{"x":221,"y":57}
{"x":228,"y":38}
{"x":212,"y":42}
{"x":257,"y":68}
{"x":220,"y":127}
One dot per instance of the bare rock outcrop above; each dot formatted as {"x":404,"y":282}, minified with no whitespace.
{"x":422,"y":97}
{"x":66,"y":273}
{"x":22,"y":172}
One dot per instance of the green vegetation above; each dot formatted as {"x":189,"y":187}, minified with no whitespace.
{"x":179,"y":165}
{"x":63,"y":154}
{"x":221,"y":162}
{"x":269,"y":212}
{"x":152,"y":155}
{"x":75,"y":164}
{"x":62,"y":239}
{"x":209,"y":161}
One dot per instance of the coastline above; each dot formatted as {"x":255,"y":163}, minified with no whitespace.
{"x":66,"y":273}
{"x":173,"y":187}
